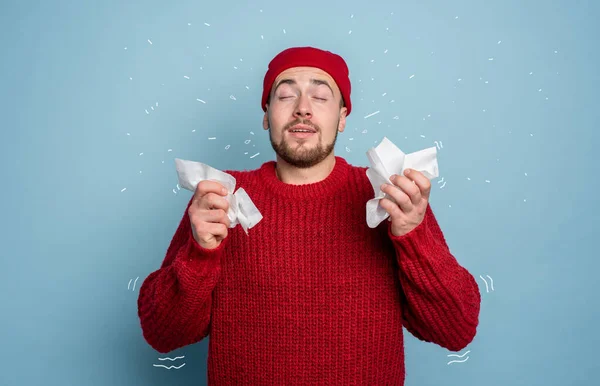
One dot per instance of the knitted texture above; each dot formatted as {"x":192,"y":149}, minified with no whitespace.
{"x":312,"y":296}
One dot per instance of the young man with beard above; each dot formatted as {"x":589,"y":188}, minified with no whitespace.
{"x":312,"y":295}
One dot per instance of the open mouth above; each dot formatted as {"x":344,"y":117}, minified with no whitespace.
{"x":301,"y":133}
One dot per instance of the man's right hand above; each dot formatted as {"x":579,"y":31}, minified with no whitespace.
{"x":208,"y":214}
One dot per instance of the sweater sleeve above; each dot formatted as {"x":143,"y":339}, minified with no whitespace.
{"x":174,"y":303}
{"x":441,"y":299}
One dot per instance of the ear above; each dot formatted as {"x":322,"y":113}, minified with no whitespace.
{"x":342,"y":124}
{"x":266,"y":119}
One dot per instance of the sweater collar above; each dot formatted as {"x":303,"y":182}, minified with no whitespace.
{"x":324,"y":188}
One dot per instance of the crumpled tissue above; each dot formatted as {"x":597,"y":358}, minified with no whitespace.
{"x":386,"y":159}
{"x":241,"y":208}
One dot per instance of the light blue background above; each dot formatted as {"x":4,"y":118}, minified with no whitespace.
{"x":508,"y":89}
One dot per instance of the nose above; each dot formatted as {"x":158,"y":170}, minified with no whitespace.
{"x":303,"y":109}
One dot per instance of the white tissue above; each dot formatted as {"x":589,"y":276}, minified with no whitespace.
{"x":241,"y":208}
{"x":386,"y":159}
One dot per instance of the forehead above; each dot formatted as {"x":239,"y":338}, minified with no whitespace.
{"x":304,"y":75}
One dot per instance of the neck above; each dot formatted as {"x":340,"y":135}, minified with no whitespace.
{"x":292,"y":175}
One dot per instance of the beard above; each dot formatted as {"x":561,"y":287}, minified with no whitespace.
{"x":302,"y":155}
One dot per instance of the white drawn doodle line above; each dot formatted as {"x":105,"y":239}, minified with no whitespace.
{"x":456,"y":361}
{"x":171,"y":359}
{"x":170,"y":367}
{"x":492,"y":280}
{"x":486,"y":286}
{"x":460,"y":356}
{"x":136,"y":279}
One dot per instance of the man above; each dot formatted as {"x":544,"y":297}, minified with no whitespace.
{"x":311,"y":295}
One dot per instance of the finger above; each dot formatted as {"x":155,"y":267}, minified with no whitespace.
{"x":213,"y":201}
{"x":207,"y":186}
{"x":219,"y":230}
{"x":402,"y":199}
{"x":391,"y":208}
{"x":408,"y":187}
{"x":217,"y":216}
{"x":420,"y":180}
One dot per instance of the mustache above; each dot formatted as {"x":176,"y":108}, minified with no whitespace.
{"x":301,"y":122}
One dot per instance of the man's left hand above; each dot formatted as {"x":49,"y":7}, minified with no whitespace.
{"x":411,"y":193}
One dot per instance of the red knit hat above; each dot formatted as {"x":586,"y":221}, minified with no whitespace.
{"x":327,"y":61}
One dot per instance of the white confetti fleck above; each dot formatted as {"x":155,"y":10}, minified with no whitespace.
{"x":444,"y":184}
{"x":210,"y":138}
{"x":386,"y":51}
{"x":422,"y":136}
{"x":149,"y":41}
{"x":169,"y":150}
{"x":174,"y":191}
{"x":130,"y":78}
{"x":262,"y":37}
{"x":254,"y":155}
{"x":200,"y":100}
{"x":247,"y":88}
{"x":193,"y":131}
{"x":349,"y":32}
{"x":284,"y":30}
{"x":347,"y":149}
{"x":232,"y":97}
{"x":488,"y":181}
{"x":152,"y":107}
{"x":146,"y":111}
{"x":247,"y":141}
{"x":128,"y":134}
{"x":208,"y":25}
{"x":141,"y":153}
{"x":227,"y":147}
{"x":125,"y":48}
{"x":364,"y":131}
{"x":396,"y":117}
{"x":490,"y":59}
{"x":124,"y":189}
{"x":412,"y":76}
{"x":352,"y":16}
{"x":370,"y":115}
{"x":186,"y":77}
{"x":499,"y":41}
{"x":156,"y":104}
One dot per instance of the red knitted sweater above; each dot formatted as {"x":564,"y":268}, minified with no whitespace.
{"x":312,"y":296}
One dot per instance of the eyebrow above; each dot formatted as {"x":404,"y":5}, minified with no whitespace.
{"x":316,"y":82}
